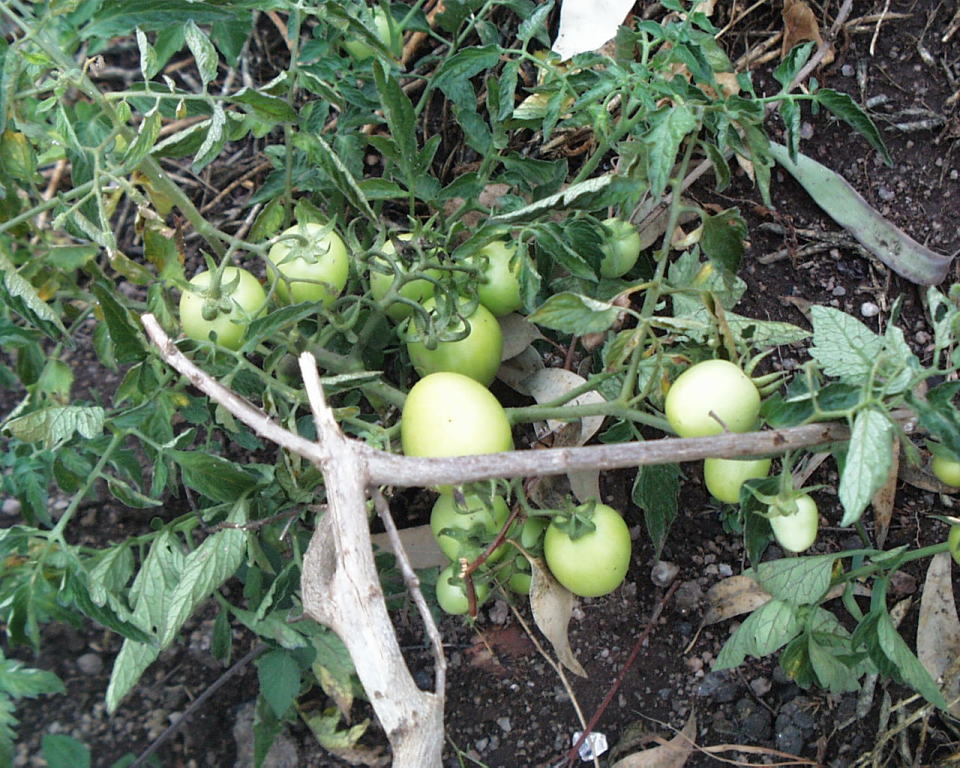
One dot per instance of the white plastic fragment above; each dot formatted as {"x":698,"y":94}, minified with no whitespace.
{"x":585,"y":25}
{"x":593,"y":746}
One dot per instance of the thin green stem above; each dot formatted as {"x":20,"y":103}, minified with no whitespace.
{"x":57,"y":533}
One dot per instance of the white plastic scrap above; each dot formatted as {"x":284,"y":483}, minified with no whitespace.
{"x":585,"y":25}
{"x":593,"y":746}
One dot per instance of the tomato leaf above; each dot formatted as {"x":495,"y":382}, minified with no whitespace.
{"x":656,"y":490}
{"x":767,"y":629}
{"x":867,"y":464}
{"x":575,"y":314}
{"x":795,"y":580}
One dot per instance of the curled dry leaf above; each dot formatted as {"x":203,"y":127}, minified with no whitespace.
{"x":938,"y":629}
{"x":518,"y":333}
{"x":516,"y":371}
{"x":552,"y":607}
{"x":670,"y":754}
{"x":799,"y":26}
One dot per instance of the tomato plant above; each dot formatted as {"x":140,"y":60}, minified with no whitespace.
{"x":452,"y":593}
{"x":724,"y":477}
{"x":382,"y":277}
{"x":595,"y":562}
{"x":520,"y":576}
{"x":621,"y":249}
{"x":449,"y":414}
{"x":712,"y":388}
{"x":312,"y":262}
{"x":477,"y":355}
{"x":797,"y":531}
{"x":227,"y":315}
{"x":953,"y":541}
{"x":499,"y":286}
{"x":475,"y":517}
{"x":947,"y":471}
{"x":385,"y":30}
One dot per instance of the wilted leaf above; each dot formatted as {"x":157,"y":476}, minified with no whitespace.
{"x":343,"y":743}
{"x":552,"y":607}
{"x":731,"y":597}
{"x":670,"y":754}
{"x":517,"y":332}
{"x":938,"y":629}
{"x":884,"y":498}
{"x":518,"y":369}
{"x":800,"y":25}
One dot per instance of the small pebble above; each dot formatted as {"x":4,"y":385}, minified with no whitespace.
{"x":90,"y":664}
{"x":663,"y":573}
{"x":847,"y":71}
{"x":886,"y":194}
{"x":869,"y":309}
{"x":504,"y":723}
{"x":11,"y":506}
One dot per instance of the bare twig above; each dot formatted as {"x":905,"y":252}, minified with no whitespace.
{"x":215,"y":686}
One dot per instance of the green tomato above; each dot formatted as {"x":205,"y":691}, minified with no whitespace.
{"x":449,"y":414}
{"x":499,"y":288}
{"x":723,"y":477}
{"x":361,"y":50}
{"x":242,"y":298}
{"x":798,"y":531}
{"x":474,"y":515}
{"x":315,"y":269}
{"x":416,"y":290}
{"x":953,"y":541}
{"x":621,"y":249}
{"x":594,"y":564}
{"x":477,"y":355}
{"x":521,"y":577}
{"x":716,"y":386}
{"x":453,"y":597}
{"x":531,"y":535}
{"x":946,"y":471}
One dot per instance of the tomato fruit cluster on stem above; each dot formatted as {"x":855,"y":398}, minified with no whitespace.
{"x":499,"y":287}
{"x":452,"y":597}
{"x":383,"y":275}
{"x":596,"y":562}
{"x":712,"y":395}
{"x":621,"y":248}
{"x":241,"y":298}
{"x":471,"y":513}
{"x":947,"y":471}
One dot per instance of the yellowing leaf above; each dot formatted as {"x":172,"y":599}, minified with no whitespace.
{"x":552,"y":607}
{"x":670,"y":754}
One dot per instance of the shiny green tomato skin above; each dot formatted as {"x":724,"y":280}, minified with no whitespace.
{"x":246,"y":297}
{"x":415,"y":290}
{"x":953,"y":541}
{"x":476,"y":356}
{"x":531,"y":535}
{"x":798,"y":531}
{"x":519,"y":582}
{"x":499,"y":288}
{"x":713,"y":385}
{"x":594,"y":564}
{"x":621,"y":250}
{"x":446,"y":514}
{"x":449,"y":414}
{"x":316,"y":270}
{"x":946,"y":471}
{"x":723,"y":477}
{"x":452,"y":598}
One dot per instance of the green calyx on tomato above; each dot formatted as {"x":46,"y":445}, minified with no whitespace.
{"x":452,"y":592}
{"x":464,"y":526}
{"x":712,"y":395}
{"x":312,"y":263}
{"x":795,"y":523}
{"x":476,"y":354}
{"x":385,"y":270}
{"x":724,"y":477}
{"x":595,"y":562}
{"x":621,"y":249}
{"x":225,"y":312}
{"x":449,"y":414}
{"x":499,"y":278}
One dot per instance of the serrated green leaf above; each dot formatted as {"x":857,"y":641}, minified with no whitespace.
{"x":400,"y":117}
{"x":149,"y":64}
{"x":844,"y":107}
{"x":868,"y":462}
{"x":656,"y":490}
{"x":669,"y":128}
{"x":146,"y":138}
{"x":791,"y":64}
{"x":279,"y":676}
{"x":19,"y":681}
{"x":128,"y":668}
{"x":213,"y":476}
{"x":575,"y":314}
{"x":723,"y":238}
{"x":18,"y":287}
{"x":796,"y":580}
{"x":453,"y":75}
{"x":213,"y":141}
{"x":270,"y":108}
{"x":341,"y":176}
{"x":57,"y":424}
{"x":204,"y":570}
{"x":63,"y":751}
{"x":908,"y":666}
{"x":938,"y":415}
{"x":204,"y":52}
{"x":768,"y":628}
{"x":844,"y":347}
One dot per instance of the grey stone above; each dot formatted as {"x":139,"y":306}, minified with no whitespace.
{"x":90,"y":664}
{"x":283,"y":753}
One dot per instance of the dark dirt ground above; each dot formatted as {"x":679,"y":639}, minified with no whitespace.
{"x":506,"y":707}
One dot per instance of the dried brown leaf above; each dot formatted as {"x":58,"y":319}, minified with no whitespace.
{"x":800,"y":25}
{"x":938,"y":628}
{"x":552,"y":607}
{"x":419,"y":544}
{"x":670,"y":754}
{"x":517,"y":332}
{"x":733,"y":596}
{"x":884,"y":498}
{"x":517,"y":370}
